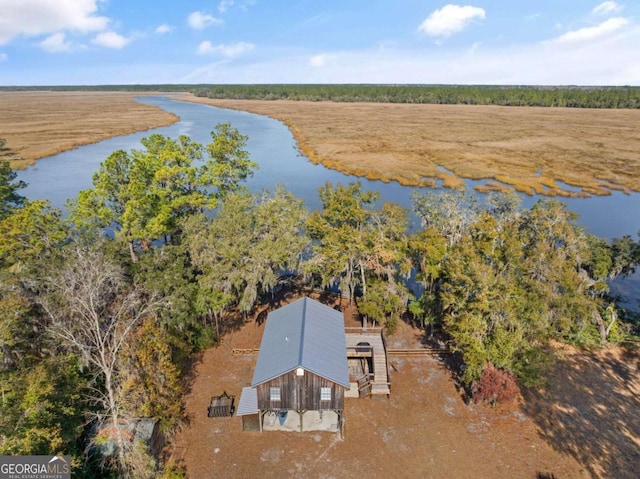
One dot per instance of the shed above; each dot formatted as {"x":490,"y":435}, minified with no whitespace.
{"x":302,"y":364}
{"x":248,"y":409}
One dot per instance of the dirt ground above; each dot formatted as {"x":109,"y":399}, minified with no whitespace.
{"x":586,"y":426}
{"x":533,"y":149}
{"x":37,"y":124}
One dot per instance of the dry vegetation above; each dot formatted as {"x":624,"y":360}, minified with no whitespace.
{"x":39,"y":124}
{"x":527,"y":148}
{"x":535,"y":150}
{"x":584,"y":424}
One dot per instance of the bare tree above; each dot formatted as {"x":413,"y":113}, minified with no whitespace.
{"x":93,"y":310}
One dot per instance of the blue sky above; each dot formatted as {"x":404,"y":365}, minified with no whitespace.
{"x":546,"y":42}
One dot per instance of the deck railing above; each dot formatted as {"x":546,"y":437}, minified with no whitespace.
{"x":373,"y":330}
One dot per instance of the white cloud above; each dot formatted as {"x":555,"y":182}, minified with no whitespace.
{"x":615,"y":60}
{"x":41,"y":17}
{"x":474,"y":48}
{"x":3,"y":57}
{"x":164,"y":28}
{"x":230,"y":50}
{"x":56,"y":43}
{"x":224,"y":5}
{"x":110,"y":39}
{"x":321,"y":60}
{"x":591,"y":33}
{"x":199,"y":20}
{"x":450,"y":19}
{"x":606,"y":7}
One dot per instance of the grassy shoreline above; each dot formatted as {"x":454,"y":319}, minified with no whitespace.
{"x":38,"y":124}
{"x":545,"y":151}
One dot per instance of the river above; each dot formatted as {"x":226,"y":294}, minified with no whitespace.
{"x":271,"y":145}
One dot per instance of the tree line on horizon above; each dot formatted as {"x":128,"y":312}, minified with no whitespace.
{"x":623,"y":97}
{"x":101,"y":310}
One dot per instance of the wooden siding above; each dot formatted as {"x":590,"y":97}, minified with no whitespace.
{"x":300,"y":393}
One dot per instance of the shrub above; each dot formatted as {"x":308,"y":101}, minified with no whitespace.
{"x":494,"y":386}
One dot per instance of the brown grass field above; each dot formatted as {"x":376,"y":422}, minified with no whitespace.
{"x":529,"y":149}
{"x":39,"y":124}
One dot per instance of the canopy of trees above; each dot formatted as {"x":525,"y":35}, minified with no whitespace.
{"x":144,"y":194}
{"x":504,"y":95}
{"x":573,"y":97}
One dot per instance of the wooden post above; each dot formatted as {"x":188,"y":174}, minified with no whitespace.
{"x":301,"y":413}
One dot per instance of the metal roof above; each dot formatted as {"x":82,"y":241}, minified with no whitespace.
{"x":303,"y":334}
{"x":248,"y":402}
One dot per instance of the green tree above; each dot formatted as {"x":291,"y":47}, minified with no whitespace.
{"x":42,"y":410}
{"x":230,"y":164}
{"x":151,"y":385}
{"x":144,"y":194}
{"x":427,"y":250}
{"x":168,"y":273}
{"x":242,"y":250}
{"x":19,"y":327}
{"x":33,"y":233}
{"x":449,"y":212}
{"x":625,"y":256}
{"x":512,"y":283}
{"x":359,"y":244}
{"x":339,"y":232}
{"x":385,"y":303}
{"x":9,"y":198}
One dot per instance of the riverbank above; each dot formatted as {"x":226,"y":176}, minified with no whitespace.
{"x":37,"y":124}
{"x":545,"y":151}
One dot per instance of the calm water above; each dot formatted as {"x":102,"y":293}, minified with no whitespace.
{"x":270,"y":143}
{"x":272,"y":146}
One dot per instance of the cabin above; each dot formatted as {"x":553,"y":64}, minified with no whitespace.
{"x":301,"y":374}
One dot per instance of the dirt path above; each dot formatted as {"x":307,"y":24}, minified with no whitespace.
{"x":423,"y":430}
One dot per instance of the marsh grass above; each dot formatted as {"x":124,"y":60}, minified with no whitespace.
{"x":546,"y":151}
{"x":40,"y":123}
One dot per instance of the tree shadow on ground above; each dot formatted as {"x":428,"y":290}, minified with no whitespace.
{"x":589,"y":410}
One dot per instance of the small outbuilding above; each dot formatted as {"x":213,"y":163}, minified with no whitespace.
{"x":248,"y":410}
{"x":301,"y":369}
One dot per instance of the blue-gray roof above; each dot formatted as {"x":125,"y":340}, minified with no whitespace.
{"x":248,"y":403}
{"x":303,"y":334}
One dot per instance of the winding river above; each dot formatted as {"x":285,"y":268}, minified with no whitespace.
{"x":273,"y":147}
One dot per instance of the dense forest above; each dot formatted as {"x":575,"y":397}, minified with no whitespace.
{"x":102,"y":309}
{"x":549,"y":96}
{"x":575,"y":97}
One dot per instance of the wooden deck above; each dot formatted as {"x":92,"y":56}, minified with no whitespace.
{"x":380,"y":383}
